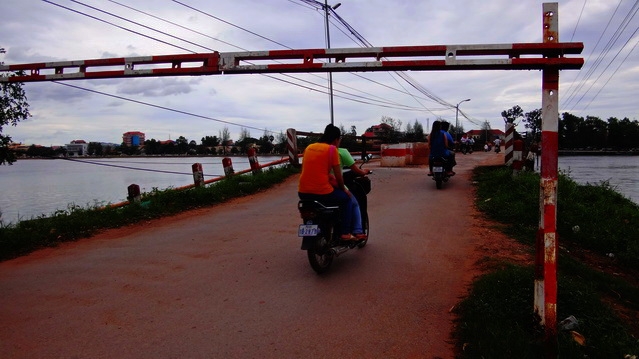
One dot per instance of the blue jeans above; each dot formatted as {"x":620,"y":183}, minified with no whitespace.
{"x":357,"y":216}
{"x":336,"y":198}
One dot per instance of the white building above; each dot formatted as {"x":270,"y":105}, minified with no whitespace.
{"x":77,"y":148}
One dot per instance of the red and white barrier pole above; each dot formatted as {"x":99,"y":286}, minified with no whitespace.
{"x":291,"y":146}
{"x":198,"y":174}
{"x":228,"y":166}
{"x":546,"y":245}
{"x":252,"y":157}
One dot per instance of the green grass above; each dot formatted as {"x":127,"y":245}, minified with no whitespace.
{"x":79,"y":222}
{"x":496,"y":320}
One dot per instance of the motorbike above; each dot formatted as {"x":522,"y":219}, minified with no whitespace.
{"x":466,"y":148}
{"x":320,"y":229}
{"x":440,"y":171}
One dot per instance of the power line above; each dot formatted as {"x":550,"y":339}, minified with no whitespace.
{"x":161,"y":107}
{"x":386,"y":103}
{"x":603,"y":54}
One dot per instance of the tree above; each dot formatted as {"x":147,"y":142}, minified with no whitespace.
{"x":485,"y":130}
{"x":182,"y":145}
{"x":210,"y":141}
{"x":95,"y":149}
{"x":414,"y":132}
{"x":396,"y":127}
{"x":152,"y":147}
{"x":510,"y":116}
{"x":569,"y":131}
{"x":266,"y":142}
{"x":13,"y":109}
{"x":225,"y":137}
{"x":281,"y":146}
{"x":532,"y":121}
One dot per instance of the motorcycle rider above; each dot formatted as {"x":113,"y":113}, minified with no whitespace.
{"x":315,"y":180}
{"x":437,"y":143}
{"x":450,"y":145}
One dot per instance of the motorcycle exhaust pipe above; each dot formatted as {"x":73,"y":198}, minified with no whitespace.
{"x":337,"y":251}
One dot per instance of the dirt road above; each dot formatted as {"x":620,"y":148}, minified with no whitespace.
{"x":231,"y":282}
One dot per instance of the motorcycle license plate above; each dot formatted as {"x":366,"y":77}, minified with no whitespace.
{"x":438,"y":169}
{"x":308,"y":230}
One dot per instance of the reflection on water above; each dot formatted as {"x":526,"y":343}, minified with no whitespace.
{"x":31,"y":188}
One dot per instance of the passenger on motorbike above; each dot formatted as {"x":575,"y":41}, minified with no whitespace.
{"x":350,"y":171}
{"x":314,"y":184}
{"x":451,"y":145}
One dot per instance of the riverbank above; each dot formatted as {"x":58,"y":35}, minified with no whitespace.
{"x":598,"y":231}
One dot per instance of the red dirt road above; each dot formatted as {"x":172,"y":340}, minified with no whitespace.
{"x":231,"y":282}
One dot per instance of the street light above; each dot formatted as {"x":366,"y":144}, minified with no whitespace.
{"x":328,"y":46}
{"x":457,"y":119}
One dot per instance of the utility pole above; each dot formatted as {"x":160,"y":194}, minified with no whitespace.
{"x":328,"y":46}
{"x":457,"y":119}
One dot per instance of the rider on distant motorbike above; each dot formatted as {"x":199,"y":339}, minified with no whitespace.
{"x":438,"y":145}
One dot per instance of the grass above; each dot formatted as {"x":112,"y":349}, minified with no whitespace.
{"x":497,"y":319}
{"x":79,"y":222}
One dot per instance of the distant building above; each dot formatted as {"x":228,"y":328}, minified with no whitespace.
{"x":381,"y":130}
{"x":492,"y":134}
{"x":133,"y":138}
{"x":77,"y":148}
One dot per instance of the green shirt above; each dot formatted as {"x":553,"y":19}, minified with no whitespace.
{"x":345,"y":157}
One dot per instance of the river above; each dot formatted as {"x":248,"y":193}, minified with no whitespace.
{"x":31,"y":188}
{"x":621,"y":172}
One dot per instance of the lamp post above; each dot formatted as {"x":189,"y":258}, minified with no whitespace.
{"x":328,"y":46}
{"x":457,"y":119}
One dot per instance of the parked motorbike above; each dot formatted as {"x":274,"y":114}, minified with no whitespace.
{"x":441,"y":171}
{"x":320,"y":230}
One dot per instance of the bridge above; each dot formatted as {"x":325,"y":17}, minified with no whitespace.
{"x":231,"y":282}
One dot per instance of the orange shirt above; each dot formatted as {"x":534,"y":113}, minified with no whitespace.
{"x":316,"y":165}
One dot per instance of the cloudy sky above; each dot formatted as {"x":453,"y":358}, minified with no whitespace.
{"x":193,"y":107}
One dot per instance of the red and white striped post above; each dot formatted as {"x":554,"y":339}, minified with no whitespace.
{"x":252,"y":157}
{"x":291,"y":145}
{"x":228,"y":166}
{"x":508,"y":147}
{"x":198,"y":174}
{"x":546,"y":245}
{"x":517,"y":156}
{"x":134,"y":195}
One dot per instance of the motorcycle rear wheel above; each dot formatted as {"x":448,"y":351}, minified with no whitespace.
{"x":438,"y":183}
{"x":319,"y":255}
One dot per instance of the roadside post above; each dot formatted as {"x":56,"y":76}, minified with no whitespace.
{"x":291,"y":146}
{"x":252,"y":157}
{"x":198,"y":174}
{"x":228,"y":166}
{"x":134,"y":193}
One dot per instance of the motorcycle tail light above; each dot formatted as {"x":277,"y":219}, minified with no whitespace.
{"x":307,"y":213}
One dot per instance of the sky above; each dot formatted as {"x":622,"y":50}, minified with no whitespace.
{"x":194,"y":107}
